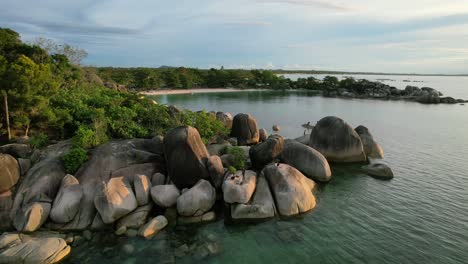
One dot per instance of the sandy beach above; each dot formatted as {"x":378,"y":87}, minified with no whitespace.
{"x":199,"y":90}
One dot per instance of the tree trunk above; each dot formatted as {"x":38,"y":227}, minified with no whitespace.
{"x":7,"y":114}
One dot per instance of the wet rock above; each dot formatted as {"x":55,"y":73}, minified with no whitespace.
{"x":266,"y":152}
{"x":120,"y":231}
{"x":378,"y":170}
{"x":131,"y":233}
{"x":239,"y":188}
{"x":262,"y":205}
{"x":67,"y":202}
{"x":136,"y":218}
{"x":158,"y":179}
{"x":197,"y":200}
{"x":186,"y":156}
{"x":142,"y":186}
{"x":9,"y":172}
{"x":115,"y":200}
{"x":165,"y":195}
{"x":307,"y":160}
{"x":337,"y":141}
{"x":128,"y":249}
{"x":207,"y":217}
{"x":245,"y":129}
{"x":290,"y":188}
{"x":181,"y":251}
{"x":15,"y":248}
{"x":371,"y":147}
{"x":153,"y":227}
{"x":88,"y":235}
{"x":216,"y":171}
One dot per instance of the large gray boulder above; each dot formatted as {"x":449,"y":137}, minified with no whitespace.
{"x":266,"y":152}
{"x":115,"y":199}
{"x":142,"y":186}
{"x":186,"y":156}
{"x":17,"y":150}
{"x":9,"y":172}
{"x":291,"y":189}
{"x":165,"y":195}
{"x":307,"y":160}
{"x":245,"y":129}
{"x":239,"y":188}
{"x":262,"y":205}
{"x":197,"y":200}
{"x":67,"y":202}
{"x":216,"y":170}
{"x":337,"y":141}
{"x":105,"y":160}
{"x":378,"y":170}
{"x":19,"y":248}
{"x":225,"y":117}
{"x":38,"y":188}
{"x":371,"y":147}
{"x":136,"y":218}
{"x":131,"y":171}
{"x":6,"y":203}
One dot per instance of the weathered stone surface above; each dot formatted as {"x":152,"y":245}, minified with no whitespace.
{"x":245,"y":129}
{"x":31,"y":218}
{"x":207,"y":217}
{"x":337,"y":141}
{"x":291,"y":189}
{"x":153,"y":227}
{"x":115,"y":199}
{"x":371,"y":147}
{"x":307,"y":160}
{"x":239,"y":188}
{"x":378,"y":170}
{"x":165,"y":195}
{"x":216,"y":171}
{"x":17,"y":248}
{"x":17,"y":150}
{"x":263,"y":134}
{"x":225,"y":117}
{"x":158,"y":179}
{"x":227,"y":160}
{"x":197,"y":200}
{"x":305,"y":139}
{"x":266,"y":152}
{"x":186,"y":156}
{"x":136,"y":218}
{"x":67,"y":202}
{"x":104,"y":160}
{"x":9,"y":172}
{"x":6,"y":203}
{"x":142,"y":187}
{"x":131,"y":171}
{"x":25,"y":165}
{"x":261,"y":206}
{"x":217,"y":149}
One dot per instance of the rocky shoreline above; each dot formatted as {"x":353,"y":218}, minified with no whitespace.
{"x":139,"y":187}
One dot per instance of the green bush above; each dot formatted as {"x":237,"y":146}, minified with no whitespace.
{"x":232,"y":169}
{"x":73,"y":160}
{"x":238,"y":157}
{"x":206,"y":124}
{"x":39,"y":141}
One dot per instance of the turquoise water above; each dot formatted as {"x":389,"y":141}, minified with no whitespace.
{"x":420,"y":216}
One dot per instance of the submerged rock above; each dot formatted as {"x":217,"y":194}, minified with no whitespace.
{"x":378,"y":170}
{"x":371,"y":147}
{"x":115,"y":200}
{"x":291,"y":189}
{"x":17,"y":248}
{"x":262,"y":205}
{"x":67,"y":202}
{"x":186,"y":156}
{"x":337,"y":141}
{"x":240,"y":187}
{"x":197,"y":200}
{"x":207,"y":217}
{"x":245,"y":129}
{"x":307,"y":160}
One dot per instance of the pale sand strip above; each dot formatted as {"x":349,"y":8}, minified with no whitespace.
{"x":192,"y":91}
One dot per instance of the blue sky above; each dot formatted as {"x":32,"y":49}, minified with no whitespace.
{"x":418,"y":36}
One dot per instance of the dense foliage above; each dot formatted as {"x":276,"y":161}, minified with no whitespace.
{"x":47,"y":96}
{"x":239,"y":158}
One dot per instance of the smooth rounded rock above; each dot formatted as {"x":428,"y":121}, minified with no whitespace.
{"x":239,"y":188}
{"x":216,"y":170}
{"x":263,"y":134}
{"x":142,"y":186}
{"x":245,"y":129}
{"x":378,"y":170}
{"x":9,"y":172}
{"x":67,"y":202}
{"x":31,"y":218}
{"x":153,"y":227}
{"x":165,"y":195}
{"x":225,"y":117}
{"x":371,"y":147}
{"x":266,"y":152}
{"x":197,"y":200}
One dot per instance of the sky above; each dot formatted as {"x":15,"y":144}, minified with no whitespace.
{"x":397,"y":36}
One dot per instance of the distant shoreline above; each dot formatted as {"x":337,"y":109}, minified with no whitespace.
{"x":198,"y":90}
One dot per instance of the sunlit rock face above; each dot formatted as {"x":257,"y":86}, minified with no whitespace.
{"x":245,"y":129}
